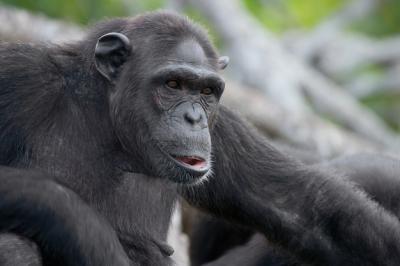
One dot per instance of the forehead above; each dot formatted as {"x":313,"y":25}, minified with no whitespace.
{"x":189,"y":52}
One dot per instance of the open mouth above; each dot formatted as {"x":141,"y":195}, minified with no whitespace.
{"x":192,"y":162}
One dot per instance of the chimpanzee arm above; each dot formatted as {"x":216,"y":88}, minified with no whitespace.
{"x":66,"y":230}
{"x":317,"y":216}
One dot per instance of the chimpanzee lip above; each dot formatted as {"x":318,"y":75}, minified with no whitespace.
{"x":192,"y":163}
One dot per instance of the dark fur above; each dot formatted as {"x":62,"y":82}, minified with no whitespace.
{"x":227,"y":244}
{"x":89,"y":134}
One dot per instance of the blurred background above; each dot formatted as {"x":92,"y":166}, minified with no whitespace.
{"x":318,"y":76}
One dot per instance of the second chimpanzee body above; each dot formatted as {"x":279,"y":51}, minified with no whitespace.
{"x":98,"y":138}
{"x":216,"y":242}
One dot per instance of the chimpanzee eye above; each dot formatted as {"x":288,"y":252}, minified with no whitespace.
{"x":207,"y":91}
{"x":173,"y":84}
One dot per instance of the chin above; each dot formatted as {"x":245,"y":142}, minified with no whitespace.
{"x":187,"y":177}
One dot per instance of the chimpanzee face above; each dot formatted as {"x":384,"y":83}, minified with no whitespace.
{"x":163,"y":106}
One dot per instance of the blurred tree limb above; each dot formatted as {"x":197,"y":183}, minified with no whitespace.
{"x":306,"y":131}
{"x":337,"y":52}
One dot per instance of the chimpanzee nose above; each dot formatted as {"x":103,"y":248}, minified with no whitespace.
{"x":194,"y":115}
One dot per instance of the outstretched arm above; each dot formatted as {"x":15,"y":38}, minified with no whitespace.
{"x":319,"y":217}
{"x":67,"y":231}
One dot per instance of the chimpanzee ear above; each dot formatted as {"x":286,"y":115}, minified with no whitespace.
{"x":112,"y":50}
{"x":223,"y":62}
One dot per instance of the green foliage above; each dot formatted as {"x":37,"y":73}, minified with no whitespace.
{"x":279,"y":15}
{"x":84,"y":11}
{"x":383,"y":22}
{"x":386,"y":105}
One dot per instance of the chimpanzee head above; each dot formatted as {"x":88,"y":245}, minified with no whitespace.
{"x":164,"y":94}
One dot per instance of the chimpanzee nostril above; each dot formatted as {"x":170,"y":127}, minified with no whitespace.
{"x":193,"y":117}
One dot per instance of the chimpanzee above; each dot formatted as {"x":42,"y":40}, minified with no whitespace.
{"x":99,"y":137}
{"x":216,"y":242}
